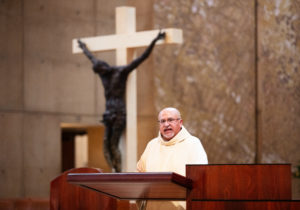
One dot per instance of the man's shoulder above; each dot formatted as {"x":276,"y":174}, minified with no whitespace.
{"x":193,"y":140}
{"x":152,"y":144}
{"x":153,"y":141}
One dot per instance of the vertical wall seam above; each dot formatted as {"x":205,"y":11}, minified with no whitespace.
{"x":23,"y":99}
{"x":256,"y":88}
{"x":95,"y":78}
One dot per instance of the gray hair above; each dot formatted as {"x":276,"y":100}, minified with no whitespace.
{"x":170,"y":109}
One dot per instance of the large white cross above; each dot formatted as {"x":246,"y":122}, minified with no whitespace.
{"x":124,"y":42}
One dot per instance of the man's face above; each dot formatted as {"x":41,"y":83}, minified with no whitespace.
{"x":169,"y":124}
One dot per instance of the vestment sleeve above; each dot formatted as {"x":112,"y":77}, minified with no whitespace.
{"x":141,"y":165}
{"x":198,"y":154}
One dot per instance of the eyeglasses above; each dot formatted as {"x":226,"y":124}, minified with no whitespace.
{"x":169,"y":120}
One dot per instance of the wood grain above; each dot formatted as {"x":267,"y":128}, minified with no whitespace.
{"x":152,"y":186}
{"x":64,"y":195}
{"x":240,"y":182}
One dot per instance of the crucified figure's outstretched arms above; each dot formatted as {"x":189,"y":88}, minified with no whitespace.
{"x":134,"y":64}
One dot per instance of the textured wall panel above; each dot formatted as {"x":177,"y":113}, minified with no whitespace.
{"x":279,"y":63}
{"x":210,"y":77}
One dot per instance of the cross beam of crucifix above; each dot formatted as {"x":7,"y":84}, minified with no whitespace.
{"x":125,"y":41}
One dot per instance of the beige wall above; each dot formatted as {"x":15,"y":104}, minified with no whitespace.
{"x":213,"y":78}
{"x":96,"y":157}
{"x":42,"y":84}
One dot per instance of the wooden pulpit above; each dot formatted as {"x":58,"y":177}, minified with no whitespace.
{"x":135,"y":186}
{"x":243,"y":186}
{"x":64,"y":195}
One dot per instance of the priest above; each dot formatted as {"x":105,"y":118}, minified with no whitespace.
{"x":170,"y":151}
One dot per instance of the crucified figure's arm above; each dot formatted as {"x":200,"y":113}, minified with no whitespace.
{"x":89,"y":54}
{"x":134,"y":64}
{"x":86,"y":50}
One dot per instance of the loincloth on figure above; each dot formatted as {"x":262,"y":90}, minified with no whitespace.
{"x":115,"y":118}
{"x":115,"y":113}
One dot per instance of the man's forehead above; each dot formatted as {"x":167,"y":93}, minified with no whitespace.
{"x":167,"y":113}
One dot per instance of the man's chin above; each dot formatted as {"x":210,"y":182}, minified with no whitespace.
{"x":168,"y":137}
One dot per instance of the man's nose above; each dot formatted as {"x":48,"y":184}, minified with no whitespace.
{"x":166,"y":122}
